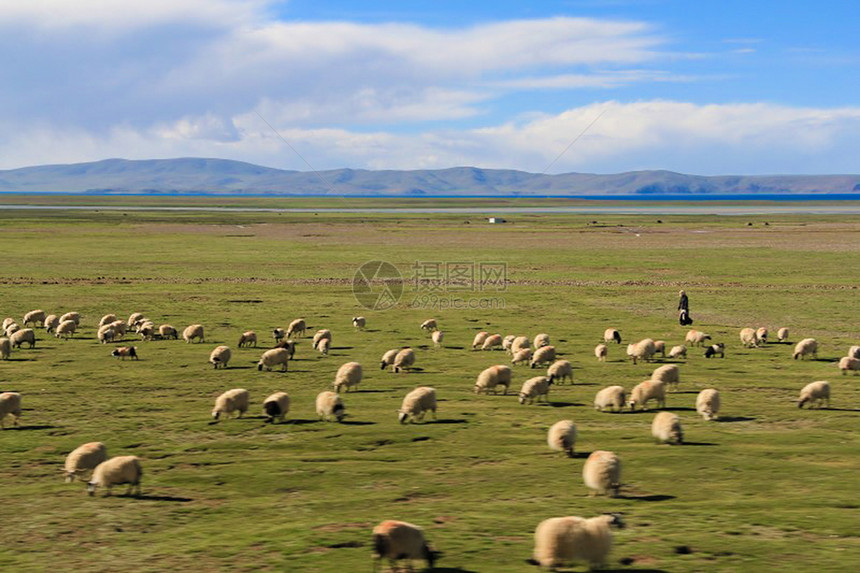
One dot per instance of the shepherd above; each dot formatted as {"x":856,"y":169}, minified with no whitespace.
{"x":684,"y":309}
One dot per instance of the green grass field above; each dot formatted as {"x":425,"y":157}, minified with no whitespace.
{"x":769,"y":486}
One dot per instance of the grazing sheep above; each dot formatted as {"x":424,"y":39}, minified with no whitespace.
{"x":541,"y":340}
{"x":696,"y":338}
{"x":25,"y":335}
{"x":562,"y":436}
{"x":543,"y":355}
{"x":761,"y":335}
{"x":708,"y":404}
{"x":191,"y":332}
{"x":107,"y":319}
{"x":276,"y":406}
{"x":35,"y":316}
{"x":642,"y":350}
{"x":748,"y":337}
{"x":330,"y":405}
{"x":124,"y":351}
{"x":5,"y":349}
{"x":84,"y":458}
{"x":782,"y":334}
{"x":279,"y":334}
{"x":847,"y":363}
{"x":522,"y":356}
{"x":647,"y":391}
{"x":272,"y":358}
{"x":508,"y":342}
{"x":348,"y":375}
{"x":388,"y":358}
{"x":429,"y":324}
{"x":491,"y":342}
{"x":396,"y":540}
{"x":324,"y":334}
{"x":534,"y":388}
{"x":602,"y":473}
{"x":146,"y":330}
{"x":66,"y":329}
{"x":359,"y":322}
{"x":714,"y":349}
{"x":815,"y":392}
{"x":666,"y":428}
{"x":297,"y":328}
{"x":417,"y":403}
{"x":520,"y":343}
{"x":119,"y":327}
{"x":479,"y":339}
{"x":52,"y":321}
{"x":404,"y":359}
{"x":854,"y":352}
{"x":562,"y":540}
{"x":71,"y":316}
{"x":678,"y":352}
{"x":438,"y":336}
{"x":220,"y":356}
{"x":559,"y":370}
{"x":288,"y":345}
{"x":12,"y":329}
{"x":116,"y":471}
{"x":610,"y":397}
{"x":134,"y":318}
{"x":106,"y":334}
{"x":7,"y":321}
{"x":166,"y":331}
{"x":660,"y":346}
{"x":611,"y":335}
{"x":600,"y":352}
{"x":668,"y":374}
{"x":10,"y":405}
{"x":247,"y":339}
{"x":806,"y":347}
{"x":323,"y":346}
{"x":235,"y":400}
{"x":488,"y":379}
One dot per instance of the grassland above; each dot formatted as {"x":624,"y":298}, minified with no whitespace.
{"x":768,"y":486}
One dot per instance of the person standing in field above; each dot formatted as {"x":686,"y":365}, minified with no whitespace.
{"x":684,"y":309}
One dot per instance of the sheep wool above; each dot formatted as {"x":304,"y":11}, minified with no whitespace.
{"x":417,"y":403}
{"x":7,"y":321}
{"x":696,"y":338}
{"x":84,"y":458}
{"x":35,"y":316}
{"x":479,"y":339}
{"x":854,"y":352}
{"x":815,"y":392}
{"x":523,"y":356}
{"x":323,"y":346}
{"x":119,"y":327}
{"x":646,"y":391}
{"x":610,"y":397}
{"x":388,"y":358}
{"x":193,"y":331}
{"x":666,"y":428}
{"x":288,"y":345}
{"x":279,"y":334}
{"x":5,"y":348}
{"x":562,"y":437}
{"x":24,"y":335}
{"x":806,"y":347}
{"x":276,"y":407}
{"x":507,"y":342}
{"x":12,"y":329}
{"x":520,"y":343}
{"x":52,"y":321}
{"x":248,"y":338}
{"x":600,"y":352}
{"x":761,"y":335}
{"x":296,"y":328}
{"x":714,"y":349}
{"x":438,"y":336}
{"x":235,"y":400}
{"x":708,"y":404}
{"x":404,"y":360}
{"x":488,"y":379}
{"x":543,"y":355}
{"x":74,"y":316}
{"x":107,"y":319}
{"x":847,"y":363}
{"x":124,"y":351}
{"x":395,"y":540}
{"x":612,"y":335}
{"x":220,"y":356}
{"x":10,"y":405}
{"x":642,"y":350}
{"x":320,"y":335}
{"x":106,"y":334}
{"x":348,"y":375}
{"x":359,"y":322}
{"x":678,"y":352}
{"x":602,"y":473}
{"x":564,"y":540}
{"x":748,"y":337}
{"x":782,"y":334}
{"x":274,"y":357}
{"x":491,"y":342}
{"x":429,"y":324}
{"x":668,"y":374}
{"x":534,"y":388}
{"x":559,"y":371}
{"x":541,"y":340}
{"x":117,"y":471}
{"x":329,"y":405}
{"x":660,"y":346}
{"x":66,"y":328}
{"x":133,"y":319}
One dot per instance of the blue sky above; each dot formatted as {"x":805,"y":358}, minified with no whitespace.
{"x":702,"y":87}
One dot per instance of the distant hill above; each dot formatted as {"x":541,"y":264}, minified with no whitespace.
{"x":222,"y":176}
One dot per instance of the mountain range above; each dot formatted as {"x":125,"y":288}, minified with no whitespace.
{"x":223,"y":176}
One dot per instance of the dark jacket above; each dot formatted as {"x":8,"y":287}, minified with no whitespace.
{"x":684,"y":303}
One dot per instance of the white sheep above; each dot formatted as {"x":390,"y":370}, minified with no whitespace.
{"x":847,"y":363}
{"x":854,"y":352}
{"x":562,"y":540}
{"x":543,"y":355}
{"x":560,"y":370}
{"x":696,"y":338}
{"x":247,"y":338}
{"x":508,"y":341}
{"x":748,"y":337}
{"x":388,"y":358}
{"x":429,"y":324}
{"x":66,"y":329}
{"x":35,"y":316}
{"x":782,"y":334}
{"x":806,"y":347}
{"x":602,"y":473}
{"x":323,"y":346}
{"x":489,"y":378}
{"x":273,"y":357}
{"x":541,"y":340}
{"x":288,"y":345}
{"x":12,"y":329}
{"x":646,"y":391}
{"x":146,"y":330}
{"x":359,"y":322}
{"x":116,"y":471}
{"x":296,"y":328}
{"x":10,"y":405}
{"x":52,"y":321}
{"x":708,"y":404}
{"x":534,"y":388}
{"x":235,"y":400}
{"x":417,"y":403}
{"x":106,"y":334}
{"x":562,"y":437}
{"x":479,"y":339}
{"x":660,"y":346}
{"x":666,"y":428}
{"x":679,"y":351}
{"x":396,"y":540}
{"x":119,"y":327}
{"x":600,"y":352}
{"x":714,"y":349}
{"x":24,"y":335}
{"x":610,"y":397}
{"x":668,"y":374}
{"x":279,"y":334}
{"x":107,"y":319}
{"x":404,"y":360}
{"x":193,"y":331}
{"x":491,"y":342}
{"x":815,"y":392}
{"x":642,"y":350}
{"x":612,"y":335}
{"x":76,"y":316}
{"x":348,"y":375}
{"x":438,"y":336}
{"x":5,"y":349}
{"x":522,"y":356}
{"x":134,"y":318}
{"x":83,"y":459}
{"x":276,"y":406}
{"x":520,"y":343}
{"x":761,"y":335}
{"x":330,"y":405}
{"x":323,"y":334}
{"x":220,"y":356}
{"x":7,"y":321}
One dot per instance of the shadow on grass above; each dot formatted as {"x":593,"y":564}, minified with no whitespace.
{"x":23,"y":428}
{"x":342,"y":348}
{"x":581,"y":455}
{"x":145,"y":497}
{"x":564,"y":404}
{"x":653,"y":497}
{"x":684,"y":392}
{"x":370,"y":392}
{"x":734,"y":419}
{"x":301,"y":422}
{"x":451,"y":570}
{"x":838,"y":409}
{"x":699,"y":444}
{"x":449,"y":421}
{"x":680,"y":409}
{"x":357,"y":423}
{"x":455,"y":347}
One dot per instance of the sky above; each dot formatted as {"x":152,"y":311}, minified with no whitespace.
{"x":707,"y":87}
